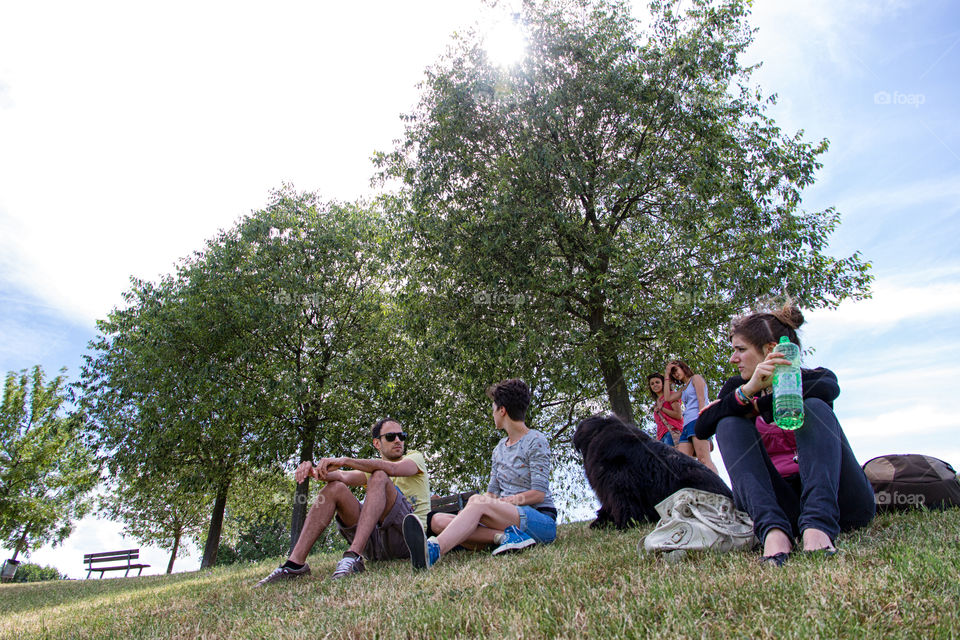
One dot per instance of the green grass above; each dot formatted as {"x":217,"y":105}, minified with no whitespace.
{"x":897,"y":578}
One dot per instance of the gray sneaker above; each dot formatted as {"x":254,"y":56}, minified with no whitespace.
{"x":284,"y":573}
{"x":347,"y":566}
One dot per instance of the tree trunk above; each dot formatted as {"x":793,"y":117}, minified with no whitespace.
{"x":300,"y":494}
{"x":173,"y":554}
{"x":21,"y":544}
{"x":216,"y":527}
{"x":617,"y":391}
{"x":609,"y":363}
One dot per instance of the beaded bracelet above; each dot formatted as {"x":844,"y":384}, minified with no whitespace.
{"x":741,"y":397}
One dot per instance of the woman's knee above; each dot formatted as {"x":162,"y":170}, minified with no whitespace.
{"x":732,"y":428}
{"x":815,"y":405}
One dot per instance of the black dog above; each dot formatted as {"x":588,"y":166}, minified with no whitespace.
{"x":631,"y":472}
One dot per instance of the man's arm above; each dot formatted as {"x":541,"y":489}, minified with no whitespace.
{"x":405,"y":467}
{"x":325,"y":474}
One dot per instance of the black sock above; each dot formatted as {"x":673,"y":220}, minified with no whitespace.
{"x":350,"y":554}
{"x":290,"y":564}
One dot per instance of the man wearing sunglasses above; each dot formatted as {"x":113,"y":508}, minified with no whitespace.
{"x":397,"y":485}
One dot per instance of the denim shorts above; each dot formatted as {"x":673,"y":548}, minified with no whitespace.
{"x":537,"y":525}
{"x":689,"y":430}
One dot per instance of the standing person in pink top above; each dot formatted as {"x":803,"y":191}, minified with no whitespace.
{"x":693,"y":394}
{"x":665,"y":414}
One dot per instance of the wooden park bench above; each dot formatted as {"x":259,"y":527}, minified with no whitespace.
{"x":106,"y":557}
{"x":452,"y":503}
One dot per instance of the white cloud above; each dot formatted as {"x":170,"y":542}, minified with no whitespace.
{"x":917,"y":419}
{"x":918,"y":296}
{"x":138,"y":131}
{"x":944,"y":190}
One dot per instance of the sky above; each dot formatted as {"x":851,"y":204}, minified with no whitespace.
{"x":131,"y":132}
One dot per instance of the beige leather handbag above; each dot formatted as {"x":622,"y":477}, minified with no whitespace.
{"x":694,"y":519}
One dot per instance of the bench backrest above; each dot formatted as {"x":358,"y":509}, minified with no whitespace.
{"x":111,"y":556}
{"x":452,"y":503}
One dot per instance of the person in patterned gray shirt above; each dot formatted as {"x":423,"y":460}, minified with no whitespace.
{"x":517,"y":511}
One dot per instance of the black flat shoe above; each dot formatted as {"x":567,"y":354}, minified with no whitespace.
{"x":827,"y":552}
{"x":776,"y":560}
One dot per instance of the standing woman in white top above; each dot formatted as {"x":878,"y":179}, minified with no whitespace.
{"x":694,"y":397}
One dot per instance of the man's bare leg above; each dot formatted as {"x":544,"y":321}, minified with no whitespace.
{"x":381,"y":495}
{"x":337,"y":498}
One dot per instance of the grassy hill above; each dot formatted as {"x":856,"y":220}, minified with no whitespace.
{"x":898,"y":578}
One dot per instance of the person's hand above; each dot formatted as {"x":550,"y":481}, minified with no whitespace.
{"x":659,"y":404}
{"x":334,"y":475}
{"x":305,"y":470}
{"x":762,"y":377}
{"x":328,"y":465}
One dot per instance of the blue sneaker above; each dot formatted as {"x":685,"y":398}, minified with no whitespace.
{"x":423,"y":553}
{"x":514,"y":540}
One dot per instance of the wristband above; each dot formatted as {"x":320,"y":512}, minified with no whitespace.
{"x":741,"y":397}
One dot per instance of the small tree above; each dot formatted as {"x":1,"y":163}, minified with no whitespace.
{"x":45,"y":469}
{"x":157,"y":509}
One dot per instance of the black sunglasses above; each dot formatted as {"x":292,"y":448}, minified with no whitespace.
{"x":390,"y":437}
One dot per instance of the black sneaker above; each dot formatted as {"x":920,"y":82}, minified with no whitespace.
{"x":416,"y":539}
{"x":284,"y":573}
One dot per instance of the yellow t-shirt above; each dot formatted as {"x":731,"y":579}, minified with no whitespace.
{"x":416,"y":488}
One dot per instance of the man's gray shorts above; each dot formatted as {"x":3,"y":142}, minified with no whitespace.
{"x":386,"y":539}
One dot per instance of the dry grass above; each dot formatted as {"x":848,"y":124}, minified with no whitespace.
{"x":899,"y":578}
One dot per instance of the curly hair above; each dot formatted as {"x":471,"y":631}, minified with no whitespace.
{"x":513,"y":395}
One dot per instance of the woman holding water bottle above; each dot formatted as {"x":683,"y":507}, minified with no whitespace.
{"x":803,"y":485}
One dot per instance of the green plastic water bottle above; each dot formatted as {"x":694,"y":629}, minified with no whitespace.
{"x":787,"y":388}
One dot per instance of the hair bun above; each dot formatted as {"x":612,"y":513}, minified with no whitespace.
{"x":789,"y":315}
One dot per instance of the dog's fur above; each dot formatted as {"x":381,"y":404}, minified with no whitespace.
{"x":631,"y":472}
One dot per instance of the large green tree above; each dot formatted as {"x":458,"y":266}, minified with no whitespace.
{"x":267,"y":347}
{"x":165,"y":394}
{"x":46,"y":470}
{"x":607,"y":202}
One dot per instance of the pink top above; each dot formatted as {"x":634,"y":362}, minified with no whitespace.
{"x":662,"y":427}
{"x":781,"y":446}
